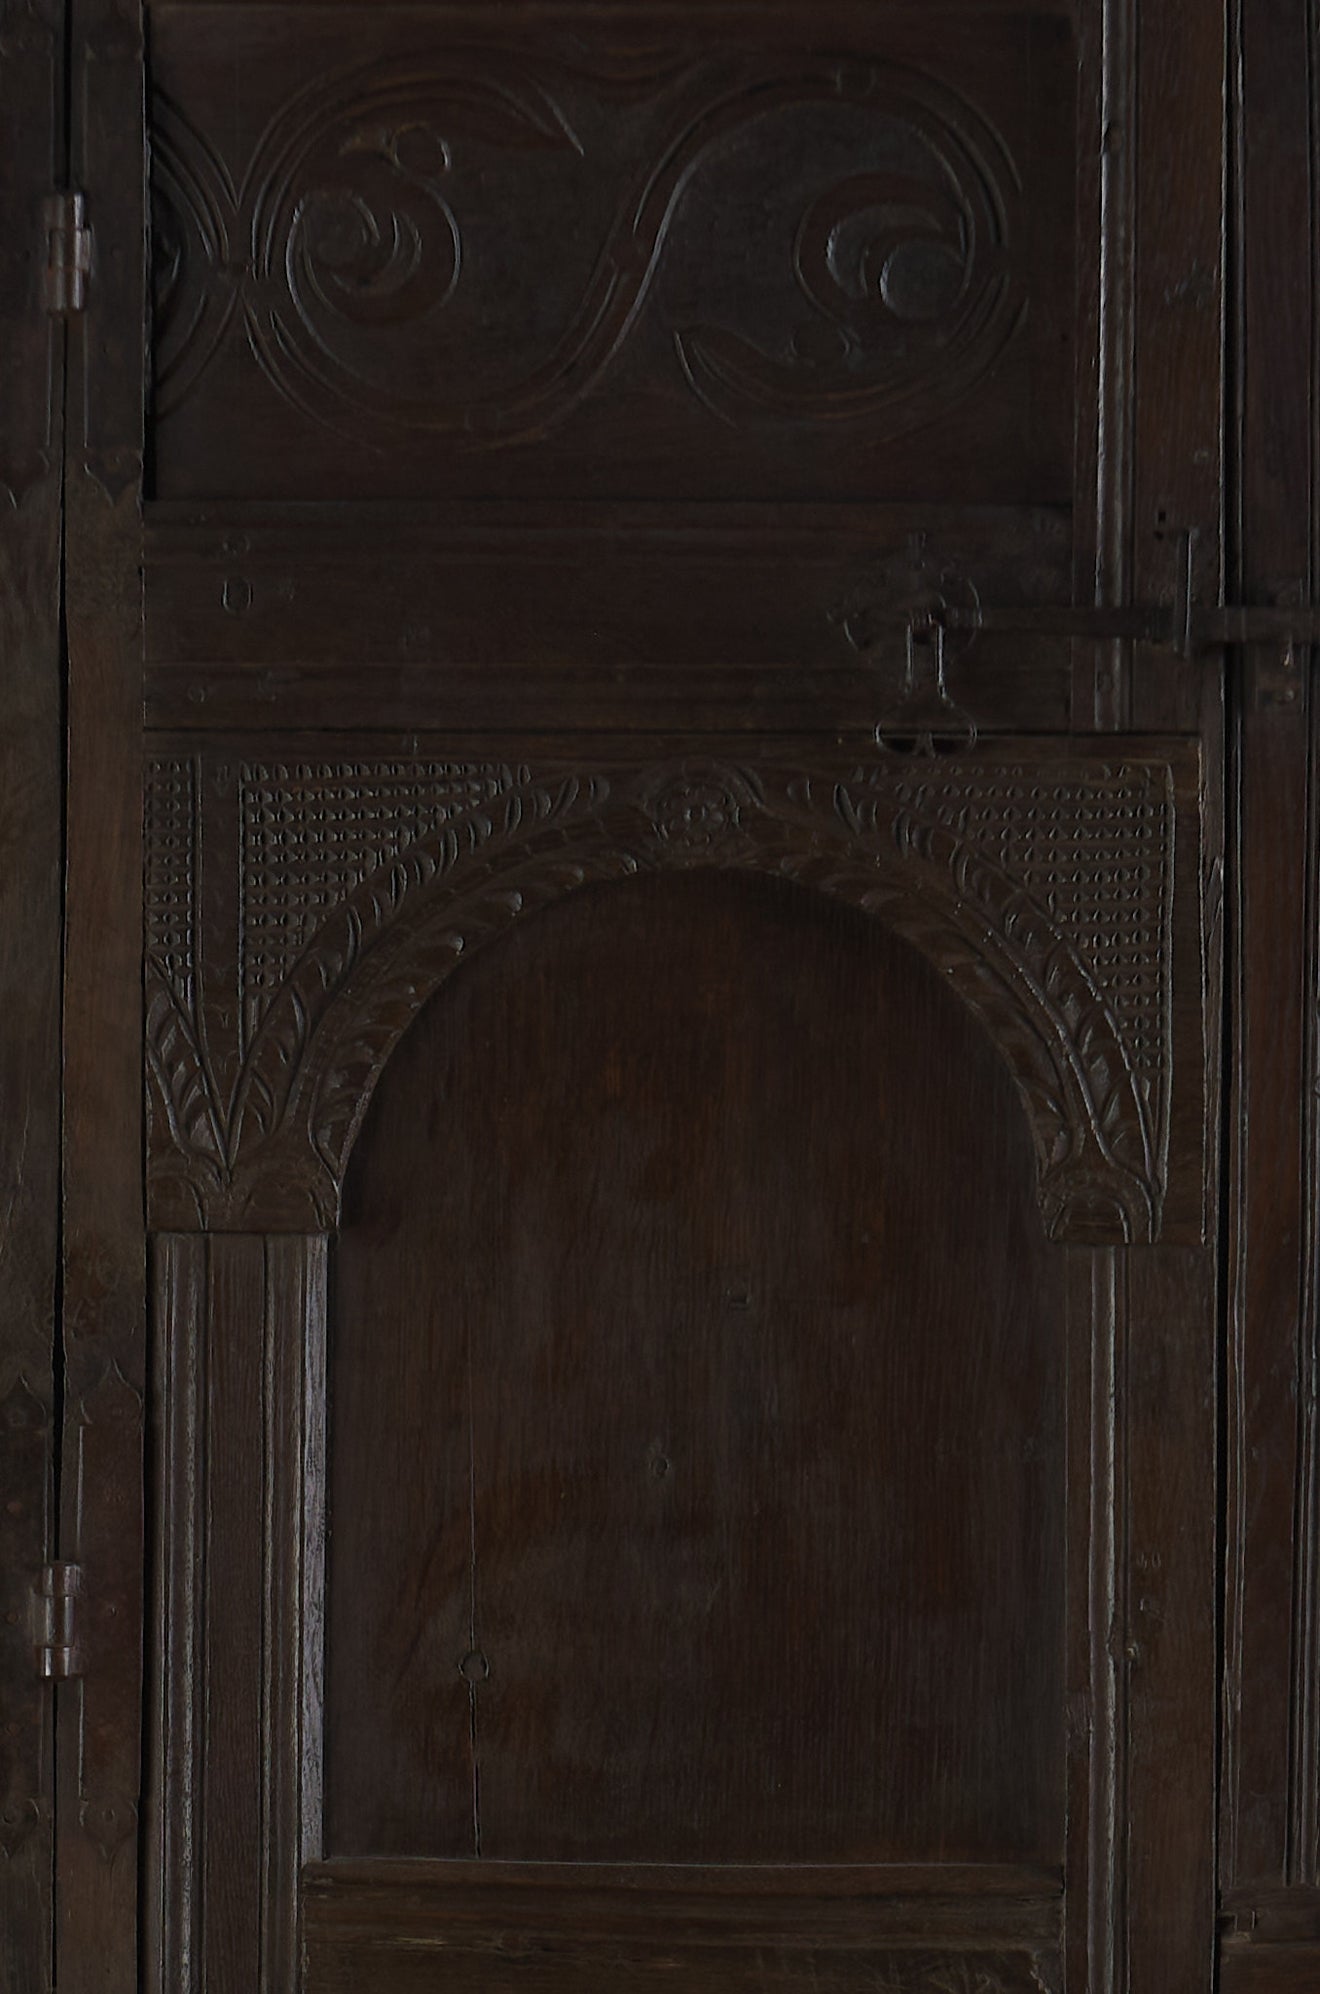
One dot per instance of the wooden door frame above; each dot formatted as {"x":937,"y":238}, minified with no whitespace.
{"x":32,"y":140}
{"x":102,"y":1511}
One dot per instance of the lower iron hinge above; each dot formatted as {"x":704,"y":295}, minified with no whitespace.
{"x":68,"y":253}
{"x":56,"y":1631}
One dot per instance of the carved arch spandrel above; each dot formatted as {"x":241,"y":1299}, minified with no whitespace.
{"x":1042,"y":892}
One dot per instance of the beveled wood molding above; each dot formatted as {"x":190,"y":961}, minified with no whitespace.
{"x":1039,"y":882}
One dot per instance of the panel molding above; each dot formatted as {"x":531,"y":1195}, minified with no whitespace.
{"x":1042,"y":888}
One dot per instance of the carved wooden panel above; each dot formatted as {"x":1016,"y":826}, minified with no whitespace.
{"x":696,"y":252}
{"x":1058,"y":894}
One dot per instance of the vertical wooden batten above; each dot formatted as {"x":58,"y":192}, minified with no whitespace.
{"x":239,"y":1336}
{"x":1097,"y":1715}
{"x":31,"y":782}
{"x":1168,"y":1634}
{"x":1270,"y":1779}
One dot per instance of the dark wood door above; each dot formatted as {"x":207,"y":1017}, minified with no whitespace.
{"x":633,"y":619}
{"x":678,"y":1106}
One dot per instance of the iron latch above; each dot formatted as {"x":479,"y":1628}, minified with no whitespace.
{"x":68,"y":252}
{"x":57,"y":1631}
{"x":1164,"y":625}
{"x":950,"y":609}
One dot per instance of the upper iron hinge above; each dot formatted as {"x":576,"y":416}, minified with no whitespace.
{"x":68,"y":252}
{"x":56,"y":1616}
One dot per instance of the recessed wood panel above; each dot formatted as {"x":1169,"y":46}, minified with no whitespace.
{"x":692,"y":251}
{"x":696,"y":1439}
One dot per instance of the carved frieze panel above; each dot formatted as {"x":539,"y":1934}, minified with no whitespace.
{"x":1057,"y":893}
{"x":701,"y":253}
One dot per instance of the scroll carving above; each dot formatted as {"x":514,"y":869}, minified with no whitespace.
{"x":1043,"y":893}
{"x":359,"y":253}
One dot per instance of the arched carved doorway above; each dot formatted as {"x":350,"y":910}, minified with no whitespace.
{"x":592,"y":1486}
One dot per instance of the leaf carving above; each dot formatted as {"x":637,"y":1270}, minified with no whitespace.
{"x":363,"y":885}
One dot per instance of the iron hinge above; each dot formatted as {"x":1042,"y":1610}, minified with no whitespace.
{"x":68,"y":252}
{"x":57,"y":1630}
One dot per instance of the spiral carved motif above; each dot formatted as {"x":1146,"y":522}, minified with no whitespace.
{"x":383,"y":251}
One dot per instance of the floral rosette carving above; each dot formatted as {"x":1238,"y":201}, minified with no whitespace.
{"x":697,"y":812}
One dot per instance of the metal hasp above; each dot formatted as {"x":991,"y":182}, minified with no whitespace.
{"x":68,"y":252}
{"x":59,"y":1654}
